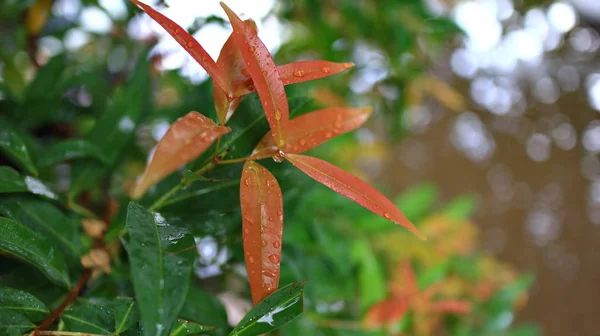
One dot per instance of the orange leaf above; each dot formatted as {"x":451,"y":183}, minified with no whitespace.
{"x":312,"y":129}
{"x":264,"y":74}
{"x":386,"y":312}
{"x":237,"y":77}
{"x":405,"y":282}
{"x":351,"y":187}
{"x":262,"y":223}
{"x":184,"y":141}
{"x":303,"y":71}
{"x":188,"y":42}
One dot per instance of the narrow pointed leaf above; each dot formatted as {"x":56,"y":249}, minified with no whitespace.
{"x":312,"y":129}
{"x":125,"y":314}
{"x":303,"y":71}
{"x":185,"y":328}
{"x":44,"y":218}
{"x":351,"y":187}
{"x":264,"y":75}
{"x":188,"y":42}
{"x":68,"y":150}
{"x":405,"y":283}
{"x":160,"y":268}
{"x":22,"y":302}
{"x":262,"y":223}
{"x":18,"y":240}
{"x":11,"y":181}
{"x":15,"y":149}
{"x":273,"y":312}
{"x":185,"y":140}
{"x":457,"y":307}
{"x":237,"y":77}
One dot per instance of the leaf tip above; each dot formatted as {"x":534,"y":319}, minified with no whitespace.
{"x":348,"y":65}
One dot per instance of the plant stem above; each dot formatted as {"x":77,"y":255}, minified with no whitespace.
{"x":65,"y":333}
{"x":73,"y":294}
{"x":244,"y":159}
{"x":165,"y":197}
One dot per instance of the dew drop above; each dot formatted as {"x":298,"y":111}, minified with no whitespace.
{"x":246,"y":231}
{"x":264,"y":243}
{"x":298,"y":73}
{"x":251,"y":49}
{"x":187,"y":141}
{"x":277,"y":115}
{"x":268,"y":274}
{"x":251,"y":260}
{"x":245,"y":72}
{"x":387,"y":215}
{"x":271,"y":219}
{"x":279,"y":213}
{"x":328,"y":135}
{"x":250,"y":87}
{"x":276,"y":244}
{"x":273,"y":258}
{"x":277,"y":159}
{"x":325,"y":70}
{"x":302,"y":142}
{"x":247,"y":182}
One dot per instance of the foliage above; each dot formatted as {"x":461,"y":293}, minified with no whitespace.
{"x":99,"y":234}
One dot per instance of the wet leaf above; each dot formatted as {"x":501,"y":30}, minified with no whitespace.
{"x":68,"y":150}
{"x":18,"y":240}
{"x":312,"y":129}
{"x":185,"y":140}
{"x":188,"y":42}
{"x":303,"y":71}
{"x":262,"y":224}
{"x":185,"y":328}
{"x":204,"y":309}
{"x":273,"y":312}
{"x":15,"y":149}
{"x":160,"y":276}
{"x":351,"y":187}
{"x":87,"y":317}
{"x":44,"y":218}
{"x":22,"y":302}
{"x":125,"y":314}
{"x":264,"y":75}
{"x":11,"y":181}
{"x":238,"y":80}
{"x":13,"y":323}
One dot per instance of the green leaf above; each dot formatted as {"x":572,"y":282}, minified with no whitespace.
{"x":417,"y":202}
{"x":68,"y":150}
{"x":87,"y":317}
{"x":44,"y":218}
{"x":460,"y":208}
{"x":14,"y":323}
{"x":28,"y":278}
{"x":115,"y":128}
{"x":182,"y":327}
{"x":371,"y":277}
{"x":24,"y":303}
{"x":125,"y":313}
{"x":274,"y":311}
{"x":500,"y":308}
{"x":204,"y":309}
{"x":46,"y":83}
{"x":11,"y":181}
{"x":160,"y":277}
{"x":18,"y":240}
{"x":15,"y":149}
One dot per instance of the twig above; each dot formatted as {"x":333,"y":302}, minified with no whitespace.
{"x":73,"y":294}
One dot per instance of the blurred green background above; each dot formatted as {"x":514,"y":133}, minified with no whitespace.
{"x":485,"y":131}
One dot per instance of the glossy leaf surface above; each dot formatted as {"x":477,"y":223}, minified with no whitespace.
{"x":273,"y":312}
{"x":185,"y":140}
{"x":184,"y":328}
{"x":16,"y":150}
{"x":205,"y":309}
{"x":22,"y":302}
{"x":44,"y":218}
{"x":262,"y":224}
{"x":13,"y":323}
{"x":125,"y":313}
{"x":303,"y":71}
{"x":188,"y":42}
{"x":264,"y":75}
{"x":18,"y":240}
{"x":160,"y":277}
{"x":87,"y":317}
{"x":238,"y":80}
{"x":351,"y":187}
{"x":312,"y":129}
{"x":68,"y":150}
